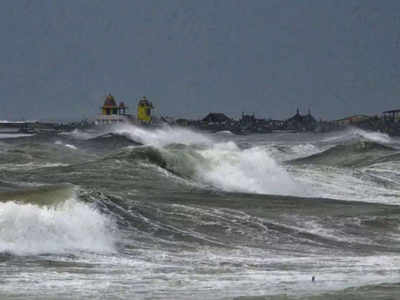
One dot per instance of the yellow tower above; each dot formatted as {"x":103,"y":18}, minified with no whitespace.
{"x":144,"y":111}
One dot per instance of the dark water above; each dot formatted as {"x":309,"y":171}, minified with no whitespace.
{"x":129,"y":213}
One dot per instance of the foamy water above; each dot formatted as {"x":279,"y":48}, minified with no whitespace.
{"x":162,"y":136}
{"x":155,"y":221}
{"x":224,"y":165}
{"x":70,"y":146}
{"x":67,"y":227}
{"x":13,"y":135}
{"x":251,"y":170}
{"x":354,"y":133}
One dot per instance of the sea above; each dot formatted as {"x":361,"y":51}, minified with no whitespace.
{"x":127,"y":212}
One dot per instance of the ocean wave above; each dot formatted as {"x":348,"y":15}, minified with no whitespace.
{"x":70,"y":146}
{"x":359,"y":153}
{"x":66,"y":227}
{"x":82,"y":134}
{"x":223,"y":166}
{"x":162,"y":136}
{"x":14,"y":135}
{"x":250,"y":170}
{"x":357,"y":133}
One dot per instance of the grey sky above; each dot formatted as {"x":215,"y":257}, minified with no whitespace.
{"x":59,"y":58}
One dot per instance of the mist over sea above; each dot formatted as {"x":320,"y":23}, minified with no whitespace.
{"x":133,"y":213}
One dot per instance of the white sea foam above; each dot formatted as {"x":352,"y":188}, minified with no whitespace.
{"x":344,"y":184}
{"x":70,"y":146}
{"x":352,"y":133}
{"x":161,"y":136}
{"x":305,"y":149}
{"x":13,"y":135}
{"x":251,"y":170}
{"x":289,"y":152}
{"x":225,"y":165}
{"x":82,"y":135}
{"x":228,"y":132}
{"x":374,"y":136}
{"x":18,"y":122}
{"x":31,"y":166}
{"x":70,"y":226}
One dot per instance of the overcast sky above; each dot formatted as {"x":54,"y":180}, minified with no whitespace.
{"x":59,"y":58}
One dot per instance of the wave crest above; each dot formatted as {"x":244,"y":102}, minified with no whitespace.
{"x":27,"y":228}
{"x":361,"y":153}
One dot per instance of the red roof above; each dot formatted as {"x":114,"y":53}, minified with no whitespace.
{"x":110,"y":101}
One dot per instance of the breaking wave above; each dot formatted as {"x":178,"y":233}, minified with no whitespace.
{"x":222,"y":165}
{"x":162,"y":136}
{"x":360,"y":153}
{"x":65,"y":227}
{"x":357,"y":133}
{"x":70,"y":146}
{"x":250,"y":170}
{"x":82,"y":135}
{"x":174,"y":238}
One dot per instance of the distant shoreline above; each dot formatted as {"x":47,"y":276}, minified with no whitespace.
{"x":220,"y":123}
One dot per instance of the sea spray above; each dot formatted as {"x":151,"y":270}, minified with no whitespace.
{"x":85,"y":135}
{"x":222,"y":165}
{"x":357,"y":133}
{"x":162,"y":136}
{"x":251,"y":170}
{"x":70,"y":146}
{"x":176,"y":241}
{"x":64,"y":228}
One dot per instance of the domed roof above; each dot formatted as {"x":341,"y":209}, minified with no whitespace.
{"x":145,"y":102}
{"x":110,"y":101}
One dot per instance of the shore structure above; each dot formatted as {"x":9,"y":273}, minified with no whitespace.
{"x":112,"y":113}
{"x":301,"y":122}
{"x":388,"y":122}
{"x":144,"y":115}
{"x":248,"y":123}
{"x":393,"y":115}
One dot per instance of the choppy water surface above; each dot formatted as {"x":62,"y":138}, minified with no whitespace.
{"x":130,"y":213}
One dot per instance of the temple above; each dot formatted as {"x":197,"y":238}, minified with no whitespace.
{"x":112,"y":113}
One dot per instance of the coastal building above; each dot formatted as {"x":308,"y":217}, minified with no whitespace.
{"x":352,"y":120}
{"x":216,"y":118}
{"x":112,"y":113}
{"x":393,"y":115}
{"x":144,"y":109}
{"x":277,"y":124}
{"x":301,"y":122}
{"x":249,"y":123}
{"x":248,"y":119}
